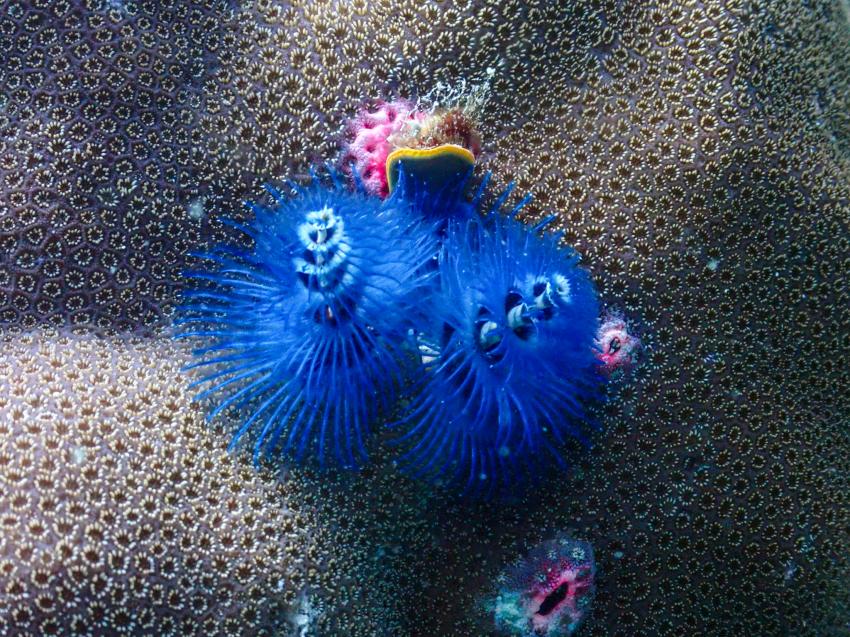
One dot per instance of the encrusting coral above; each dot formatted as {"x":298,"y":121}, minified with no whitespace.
{"x":121,"y":511}
{"x":697,"y":156}
{"x":99,"y":133}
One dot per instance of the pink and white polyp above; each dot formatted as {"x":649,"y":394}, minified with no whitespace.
{"x":566,"y":585}
{"x":617,"y":347}
{"x":549,"y":592}
{"x":370,"y":146}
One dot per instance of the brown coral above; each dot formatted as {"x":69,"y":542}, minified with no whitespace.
{"x":121,"y":512}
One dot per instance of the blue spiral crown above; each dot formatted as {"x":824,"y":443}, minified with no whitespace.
{"x":509,"y":355}
{"x":308,"y":326}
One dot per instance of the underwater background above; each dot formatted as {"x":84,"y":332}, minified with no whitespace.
{"x":697,"y":156}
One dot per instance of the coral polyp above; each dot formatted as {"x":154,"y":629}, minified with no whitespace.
{"x":509,"y":354}
{"x":308,"y":326}
{"x":618,"y":347}
{"x":369,"y":145}
{"x":548,"y":593}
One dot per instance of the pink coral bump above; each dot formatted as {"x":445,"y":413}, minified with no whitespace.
{"x":370,"y":143}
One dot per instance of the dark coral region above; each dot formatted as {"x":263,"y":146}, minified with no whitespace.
{"x":698,"y":156}
{"x":98,"y":136}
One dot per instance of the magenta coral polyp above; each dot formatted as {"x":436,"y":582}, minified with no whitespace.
{"x":370,"y":144}
{"x":617,"y":346}
{"x":548,"y":593}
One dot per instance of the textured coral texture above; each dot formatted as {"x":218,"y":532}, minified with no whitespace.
{"x":122,"y":514}
{"x":696,"y":153}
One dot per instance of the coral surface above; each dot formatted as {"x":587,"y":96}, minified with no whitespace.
{"x":122,"y":513}
{"x":99,"y":134}
{"x":698,"y":156}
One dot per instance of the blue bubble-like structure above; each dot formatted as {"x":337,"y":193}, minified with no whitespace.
{"x":307,"y":328}
{"x":509,"y":355}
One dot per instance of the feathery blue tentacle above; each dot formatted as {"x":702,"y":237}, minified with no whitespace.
{"x":508,"y":355}
{"x":307,"y":327}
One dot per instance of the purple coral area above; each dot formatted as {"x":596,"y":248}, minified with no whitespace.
{"x":99,"y":125}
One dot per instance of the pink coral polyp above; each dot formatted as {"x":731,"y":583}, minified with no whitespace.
{"x":370,"y":146}
{"x":548,"y":593}
{"x":617,"y":347}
